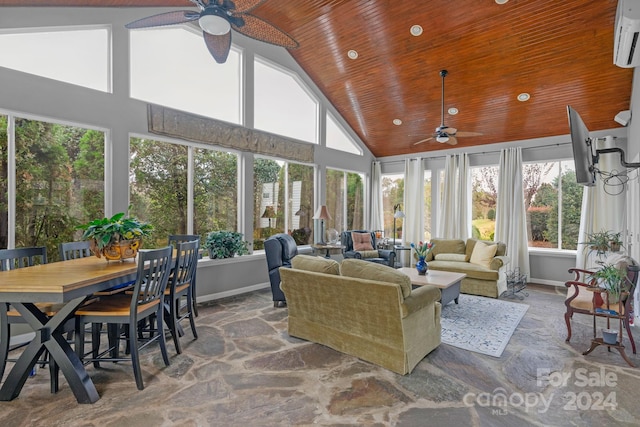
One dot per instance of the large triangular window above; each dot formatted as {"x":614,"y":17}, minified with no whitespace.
{"x":80,"y":56}
{"x":338,"y":139}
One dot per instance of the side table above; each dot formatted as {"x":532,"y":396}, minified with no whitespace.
{"x":516,"y":282}
{"x":400,"y":260}
{"x":609,"y":314}
{"x":329,"y":248}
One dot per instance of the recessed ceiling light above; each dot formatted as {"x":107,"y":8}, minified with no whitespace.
{"x":416,"y":30}
{"x":352,"y":54}
{"x":501,"y":1}
{"x":524,"y":96}
{"x":452,"y":111}
{"x":397,"y":122}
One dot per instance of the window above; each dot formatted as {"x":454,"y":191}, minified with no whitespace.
{"x":338,"y":139}
{"x":553,"y":201}
{"x":80,"y":56}
{"x":345,"y":200}
{"x":159,"y":189}
{"x":4,"y":185}
{"x":172,"y":67}
{"x":283,"y":105}
{"x":300,"y":213}
{"x":484,"y":195}
{"x":427,"y":206}
{"x":60,"y":183}
{"x":392,"y":194}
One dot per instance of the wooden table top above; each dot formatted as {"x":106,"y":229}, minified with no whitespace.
{"x":439,"y":279}
{"x":62,"y":281}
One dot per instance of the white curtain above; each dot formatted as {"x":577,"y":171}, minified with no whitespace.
{"x":511,"y":217}
{"x":603,"y":207}
{"x":413,"y":224}
{"x":454,"y":221}
{"x":377,"y":221}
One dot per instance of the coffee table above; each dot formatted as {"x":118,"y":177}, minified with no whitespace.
{"x":448,"y":282}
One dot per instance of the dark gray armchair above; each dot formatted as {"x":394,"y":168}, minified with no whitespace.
{"x":280,"y":249}
{"x":379,"y":256}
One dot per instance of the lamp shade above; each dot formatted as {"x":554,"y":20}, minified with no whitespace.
{"x":322,"y":213}
{"x":398,"y":214}
{"x":269,"y":212}
{"x":300,"y":212}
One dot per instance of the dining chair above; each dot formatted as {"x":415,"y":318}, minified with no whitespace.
{"x":174,"y":239}
{"x":179,"y":289}
{"x":127,"y":309}
{"x":74,"y":250}
{"x":11,"y":259}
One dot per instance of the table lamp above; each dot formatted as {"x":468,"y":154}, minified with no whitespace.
{"x":397,"y":213}
{"x":269,"y":212}
{"x":322,"y":214}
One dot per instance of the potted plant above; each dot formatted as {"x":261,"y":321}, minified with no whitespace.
{"x":225,"y":244}
{"x":602,"y":242}
{"x":117,"y":237}
{"x":612,"y":279}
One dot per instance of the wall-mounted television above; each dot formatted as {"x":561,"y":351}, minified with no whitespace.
{"x":582,"y":150}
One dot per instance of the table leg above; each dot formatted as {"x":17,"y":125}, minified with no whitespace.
{"x":50,"y":335}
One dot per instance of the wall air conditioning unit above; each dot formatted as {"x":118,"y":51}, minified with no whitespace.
{"x":626,"y":46}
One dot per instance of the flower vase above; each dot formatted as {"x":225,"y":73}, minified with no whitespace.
{"x":422,"y":266}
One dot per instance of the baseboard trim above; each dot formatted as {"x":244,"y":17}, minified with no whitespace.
{"x":233,"y":292}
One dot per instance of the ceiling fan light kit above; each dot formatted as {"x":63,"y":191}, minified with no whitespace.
{"x":443,"y":133}
{"x":217,"y":18}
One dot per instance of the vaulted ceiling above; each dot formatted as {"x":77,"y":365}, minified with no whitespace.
{"x":559,"y":52}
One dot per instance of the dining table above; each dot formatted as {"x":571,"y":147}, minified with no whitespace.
{"x":69,"y":284}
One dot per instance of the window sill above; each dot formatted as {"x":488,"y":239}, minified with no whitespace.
{"x":564,"y":253}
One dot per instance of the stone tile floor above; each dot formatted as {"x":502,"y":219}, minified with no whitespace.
{"x":245,"y":370}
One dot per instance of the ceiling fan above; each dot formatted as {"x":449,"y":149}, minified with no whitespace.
{"x":217,"y":18}
{"x":443,"y":133}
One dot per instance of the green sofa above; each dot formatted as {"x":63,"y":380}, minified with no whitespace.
{"x":363,"y":309}
{"x":488,"y":281}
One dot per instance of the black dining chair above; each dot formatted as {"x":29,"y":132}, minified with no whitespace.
{"x":179,"y":289}
{"x":128,"y":309}
{"x":174,"y":239}
{"x":11,"y":259}
{"x":74,"y":250}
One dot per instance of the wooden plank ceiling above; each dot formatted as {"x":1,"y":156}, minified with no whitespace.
{"x":560,"y":52}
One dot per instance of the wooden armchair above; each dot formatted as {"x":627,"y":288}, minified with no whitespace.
{"x":579,"y":300}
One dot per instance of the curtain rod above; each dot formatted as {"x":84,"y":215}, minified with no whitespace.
{"x":557,"y":144}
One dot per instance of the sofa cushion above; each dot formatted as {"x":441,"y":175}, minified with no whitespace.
{"x":367,"y":270}
{"x":472,"y":271}
{"x":446,"y":246}
{"x":451,"y":257}
{"x":367,"y":254}
{"x":483,"y":254}
{"x":361,"y":241}
{"x":315,"y":263}
{"x":500,"y":251}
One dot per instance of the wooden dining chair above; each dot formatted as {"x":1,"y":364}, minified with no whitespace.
{"x":179,"y":289}
{"x":128,"y":309}
{"x":174,"y":239}
{"x":11,"y":259}
{"x":74,"y":250}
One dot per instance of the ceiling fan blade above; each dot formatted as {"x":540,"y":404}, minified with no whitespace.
{"x":218,"y":46}
{"x":467,"y":133}
{"x":169,"y":18}
{"x":423,"y":140}
{"x":259,"y":29}
{"x":450,"y":130}
{"x":452,"y":140}
{"x":244,"y":6}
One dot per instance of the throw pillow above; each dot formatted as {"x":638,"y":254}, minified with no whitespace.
{"x":317,"y":264}
{"x":483,"y":254}
{"x":451,"y":257}
{"x":361,"y":241}
{"x":368,"y":270}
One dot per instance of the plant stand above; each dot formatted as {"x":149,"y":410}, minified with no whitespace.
{"x":516,"y":283}
{"x":608,"y":314}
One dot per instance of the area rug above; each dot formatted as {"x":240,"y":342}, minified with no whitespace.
{"x":479,"y":324}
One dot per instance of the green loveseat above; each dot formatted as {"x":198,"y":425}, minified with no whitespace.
{"x":363,"y":309}
{"x":454,"y":255}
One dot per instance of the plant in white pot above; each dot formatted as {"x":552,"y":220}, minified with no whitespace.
{"x":225,"y":244}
